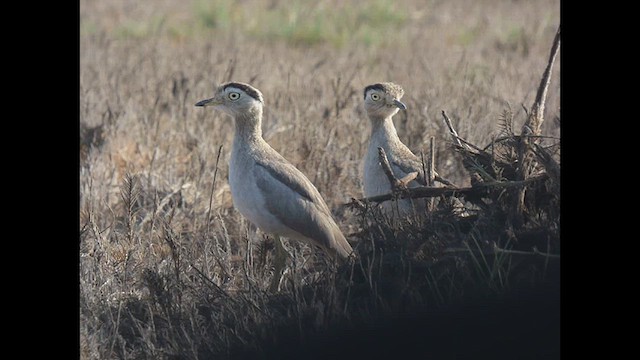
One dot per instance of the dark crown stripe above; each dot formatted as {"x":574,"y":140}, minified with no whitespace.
{"x":251,"y":91}
{"x":373,"y":87}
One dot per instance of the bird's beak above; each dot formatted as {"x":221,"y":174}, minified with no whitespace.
{"x":399,"y":104}
{"x":208,"y":102}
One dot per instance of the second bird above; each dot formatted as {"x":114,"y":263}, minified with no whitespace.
{"x":381,"y":102}
{"x":266,"y":188}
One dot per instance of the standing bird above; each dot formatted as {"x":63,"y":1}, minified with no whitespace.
{"x":381,"y":102}
{"x":266,"y":188}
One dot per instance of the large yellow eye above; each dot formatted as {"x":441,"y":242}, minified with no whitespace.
{"x":375,"y":97}
{"x":233,"y":96}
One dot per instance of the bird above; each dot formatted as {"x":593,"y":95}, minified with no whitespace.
{"x":266,"y":188}
{"x":381,"y":103}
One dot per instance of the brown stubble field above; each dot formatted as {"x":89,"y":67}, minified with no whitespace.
{"x":159,"y":237}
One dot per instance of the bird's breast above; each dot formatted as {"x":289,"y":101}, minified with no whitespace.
{"x":248,"y":198}
{"x":375,"y":180}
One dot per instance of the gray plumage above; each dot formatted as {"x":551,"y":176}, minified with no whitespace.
{"x":266,"y":188}
{"x":381,"y":102}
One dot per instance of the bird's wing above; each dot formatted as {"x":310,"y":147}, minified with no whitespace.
{"x":293,"y":199}
{"x":292,"y":178}
{"x":403,"y":162}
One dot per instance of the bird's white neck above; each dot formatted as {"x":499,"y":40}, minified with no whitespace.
{"x":249,"y":126}
{"x":383,"y":132}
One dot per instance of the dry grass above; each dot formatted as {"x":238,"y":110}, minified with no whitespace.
{"x":170,"y":270}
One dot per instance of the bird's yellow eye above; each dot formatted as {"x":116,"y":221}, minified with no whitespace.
{"x":233,"y":96}
{"x":375,"y":97}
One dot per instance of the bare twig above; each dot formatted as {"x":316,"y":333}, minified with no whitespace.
{"x":442,"y":180}
{"x":461,"y":144}
{"x":424,"y":168}
{"x":356,"y":203}
{"x":469,"y":146}
{"x":396,"y":184}
{"x":386,"y":167}
{"x":453,"y":132}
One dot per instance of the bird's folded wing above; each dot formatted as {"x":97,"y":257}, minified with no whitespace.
{"x":293,"y":199}
{"x":404,"y":165}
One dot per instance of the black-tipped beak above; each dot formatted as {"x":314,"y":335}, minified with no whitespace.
{"x":400,"y":104}
{"x":206,"y":102}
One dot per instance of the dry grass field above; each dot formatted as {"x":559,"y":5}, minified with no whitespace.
{"x":169,"y":270}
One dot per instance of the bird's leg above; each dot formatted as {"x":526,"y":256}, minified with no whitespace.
{"x":279,"y":263}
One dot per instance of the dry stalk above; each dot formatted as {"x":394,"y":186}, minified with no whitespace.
{"x":214,"y":286}
{"x":536,"y":116}
{"x":342,"y":93}
{"x":431,"y":171}
{"x":150,"y":217}
{"x":532,"y":126}
{"x":175,"y":253}
{"x":213,"y":188}
{"x":130,"y":194}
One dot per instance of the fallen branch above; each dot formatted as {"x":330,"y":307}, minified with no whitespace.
{"x":480,"y":189}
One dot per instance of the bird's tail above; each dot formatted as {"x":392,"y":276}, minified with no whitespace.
{"x":339,"y":245}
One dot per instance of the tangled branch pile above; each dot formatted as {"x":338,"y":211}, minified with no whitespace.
{"x":513,"y":202}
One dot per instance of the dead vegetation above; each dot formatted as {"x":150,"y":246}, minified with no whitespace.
{"x":169,"y":270}
{"x":515,"y":182}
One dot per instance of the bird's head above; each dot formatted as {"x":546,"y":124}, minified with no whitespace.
{"x":235,"y":98}
{"x":383,"y":99}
